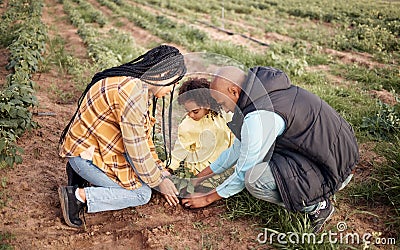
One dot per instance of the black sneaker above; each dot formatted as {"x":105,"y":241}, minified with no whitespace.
{"x":74,"y":178}
{"x":71,"y":207}
{"x":321,"y":216}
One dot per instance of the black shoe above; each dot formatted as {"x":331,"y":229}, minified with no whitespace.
{"x":71,"y":207}
{"x":321,"y":216}
{"x":74,"y":178}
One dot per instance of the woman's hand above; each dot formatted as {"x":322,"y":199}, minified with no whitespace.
{"x":169,"y":191}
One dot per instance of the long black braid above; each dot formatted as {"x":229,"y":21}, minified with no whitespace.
{"x":161,"y":63}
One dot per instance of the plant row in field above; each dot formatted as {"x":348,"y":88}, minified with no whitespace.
{"x":90,"y":35}
{"x":90,"y":14}
{"x":364,"y":26}
{"x":25,"y":35}
{"x":305,"y":47}
{"x":196,"y":40}
{"x":105,"y":49}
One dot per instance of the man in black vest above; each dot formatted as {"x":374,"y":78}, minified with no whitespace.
{"x":291,"y":147}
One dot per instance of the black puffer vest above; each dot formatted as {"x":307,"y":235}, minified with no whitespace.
{"x":318,"y":149}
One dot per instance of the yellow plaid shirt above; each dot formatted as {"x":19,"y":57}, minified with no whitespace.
{"x":114,"y":119}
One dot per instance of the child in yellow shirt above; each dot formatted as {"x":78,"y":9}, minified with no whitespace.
{"x":203,"y":133}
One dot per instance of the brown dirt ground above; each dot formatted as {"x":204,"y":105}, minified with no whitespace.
{"x":33,"y":213}
{"x":3,"y":62}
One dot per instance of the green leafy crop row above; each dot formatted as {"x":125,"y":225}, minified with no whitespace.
{"x":91,"y":14}
{"x":196,"y":40}
{"x":363,"y":26}
{"x":25,"y":36}
{"x":103,"y":52}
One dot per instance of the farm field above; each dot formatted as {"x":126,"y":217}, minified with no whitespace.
{"x":347,"y":52}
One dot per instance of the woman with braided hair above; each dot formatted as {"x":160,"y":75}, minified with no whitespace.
{"x":108,"y":142}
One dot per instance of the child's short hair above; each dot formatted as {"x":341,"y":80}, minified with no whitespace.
{"x":198,"y":91}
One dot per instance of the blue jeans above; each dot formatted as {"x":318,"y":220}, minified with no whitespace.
{"x":106,"y":194}
{"x":260,"y":182}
